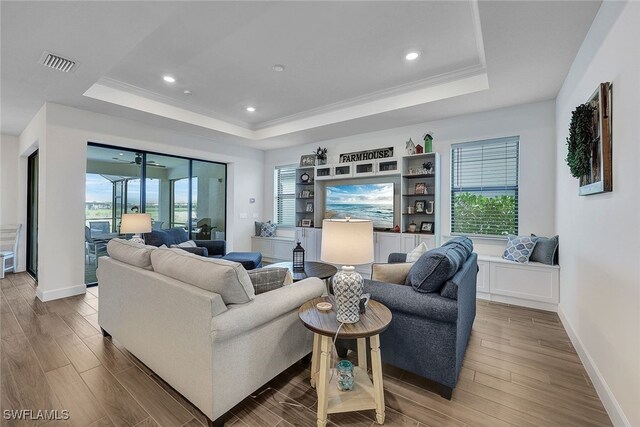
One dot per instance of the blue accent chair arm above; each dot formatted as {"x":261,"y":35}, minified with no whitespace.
{"x":214,"y":247}
{"x":402,"y":298}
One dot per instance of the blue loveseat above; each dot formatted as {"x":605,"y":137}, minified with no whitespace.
{"x":430,"y":331}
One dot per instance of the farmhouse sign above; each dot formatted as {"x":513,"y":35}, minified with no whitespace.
{"x":378,"y":153}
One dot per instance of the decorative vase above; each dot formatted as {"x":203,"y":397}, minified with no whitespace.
{"x":347,"y":287}
{"x":412,"y":227}
{"x":344,"y":370}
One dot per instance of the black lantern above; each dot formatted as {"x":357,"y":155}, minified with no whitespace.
{"x":298,"y":258}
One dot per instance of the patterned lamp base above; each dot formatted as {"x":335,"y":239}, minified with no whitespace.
{"x":347,"y":287}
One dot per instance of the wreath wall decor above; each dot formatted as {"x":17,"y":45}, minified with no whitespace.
{"x":589,"y":143}
{"x":579,"y":140}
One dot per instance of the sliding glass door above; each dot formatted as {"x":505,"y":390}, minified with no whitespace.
{"x":176,"y":191}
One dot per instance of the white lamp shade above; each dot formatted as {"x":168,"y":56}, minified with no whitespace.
{"x":347,"y":242}
{"x":135,"y":223}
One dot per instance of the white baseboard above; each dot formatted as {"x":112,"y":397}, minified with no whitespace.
{"x":517,"y":301}
{"x":613,"y":408}
{"x":60,"y":293}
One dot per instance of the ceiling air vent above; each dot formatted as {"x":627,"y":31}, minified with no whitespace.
{"x":58,"y":62}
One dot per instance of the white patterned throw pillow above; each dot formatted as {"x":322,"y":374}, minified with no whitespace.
{"x":268,"y":230}
{"x":519,"y":248}
{"x":417,"y":252}
{"x":187,"y":244}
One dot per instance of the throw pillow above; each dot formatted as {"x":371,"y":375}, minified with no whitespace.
{"x":187,"y":244}
{"x":461,"y":240}
{"x":417,"y":252}
{"x":435,"y":267}
{"x":268,"y":230}
{"x":258,"y":227}
{"x":546,"y":250}
{"x":131,"y":253}
{"x":519,"y":248}
{"x":227,"y":278}
{"x":391,"y":273}
{"x":267,"y":279}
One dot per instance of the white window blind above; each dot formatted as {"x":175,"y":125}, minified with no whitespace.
{"x":284,"y":184}
{"x":484,"y":187}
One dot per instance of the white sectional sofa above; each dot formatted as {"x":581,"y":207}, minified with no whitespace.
{"x":197,"y":323}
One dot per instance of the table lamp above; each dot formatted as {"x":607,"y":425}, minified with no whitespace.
{"x":347,"y":242}
{"x":136,"y":224}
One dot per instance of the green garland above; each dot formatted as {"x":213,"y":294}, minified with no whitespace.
{"x":579,"y":140}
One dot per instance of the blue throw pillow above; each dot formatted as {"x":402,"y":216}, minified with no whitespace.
{"x":519,"y":248}
{"x":268,"y":230}
{"x":435,"y":267}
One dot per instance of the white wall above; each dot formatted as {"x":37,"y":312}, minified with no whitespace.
{"x":600,"y":234}
{"x":534,"y":123}
{"x":9,"y":147}
{"x":62,"y":190}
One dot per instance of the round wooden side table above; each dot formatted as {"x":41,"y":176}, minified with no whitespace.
{"x":366,"y":394}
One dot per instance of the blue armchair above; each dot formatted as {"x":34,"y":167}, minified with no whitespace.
{"x":429,"y":332}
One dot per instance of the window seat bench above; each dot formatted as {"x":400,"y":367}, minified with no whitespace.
{"x":533,"y":285}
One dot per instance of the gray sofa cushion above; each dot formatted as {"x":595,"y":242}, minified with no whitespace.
{"x":226,"y":278}
{"x":135,"y":254}
{"x":435,"y":267}
{"x":545,"y":250}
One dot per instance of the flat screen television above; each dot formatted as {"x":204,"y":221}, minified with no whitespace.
{"x":366,"y":201}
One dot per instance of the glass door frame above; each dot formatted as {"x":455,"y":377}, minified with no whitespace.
{"x":32,"y":204}
{"x":143,"y":179}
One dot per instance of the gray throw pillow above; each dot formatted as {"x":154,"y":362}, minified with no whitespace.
{"x":258,"y":227}
{"x":267,"y":279}
{"x":435,"y":267}
{"x":546,"y":250}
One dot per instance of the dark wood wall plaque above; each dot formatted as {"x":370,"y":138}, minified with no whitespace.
{"x":600,"y":177}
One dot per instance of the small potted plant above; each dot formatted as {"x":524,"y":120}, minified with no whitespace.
{"x":321,"y":156}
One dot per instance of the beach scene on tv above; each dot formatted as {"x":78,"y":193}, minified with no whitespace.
{"x":368,"y":201}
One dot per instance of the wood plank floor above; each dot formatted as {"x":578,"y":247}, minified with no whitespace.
{"x":520,"y":369}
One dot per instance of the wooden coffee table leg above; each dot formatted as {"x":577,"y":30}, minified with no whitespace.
{"x":315,"y":358}
{"x":362,"y":353}
{"x":323,"y":380}
{"x":376,"y":367}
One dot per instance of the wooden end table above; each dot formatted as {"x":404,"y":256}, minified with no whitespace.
{"x":366,"y":394}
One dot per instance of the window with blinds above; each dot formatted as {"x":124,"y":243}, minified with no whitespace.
{"x":484,"y":187}
{"x":284,"y":184}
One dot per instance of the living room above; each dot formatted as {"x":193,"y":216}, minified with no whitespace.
{"x":550,"y":345}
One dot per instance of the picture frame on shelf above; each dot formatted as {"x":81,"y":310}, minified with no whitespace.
{"x":307,"y":160}
{"x":305,"y":223}
{"x":421,"y":188}
{"x":309,"y":207}
{"x":426,"y":227}
{"x":420,"y":206}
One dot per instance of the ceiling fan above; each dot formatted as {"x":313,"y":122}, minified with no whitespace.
{"x":138,"y":161}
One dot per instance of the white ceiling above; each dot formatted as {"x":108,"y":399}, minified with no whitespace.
{"x":345,"y":69}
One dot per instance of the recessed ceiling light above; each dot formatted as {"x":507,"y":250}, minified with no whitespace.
{"x":278,"y":67}
{"x":251,"y":109}
{"x":412,"y":56}
{"x":169,"y":79}
{"x":122,"y":154}
{"x":187,"y":92}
